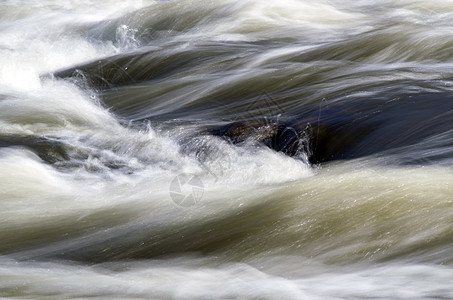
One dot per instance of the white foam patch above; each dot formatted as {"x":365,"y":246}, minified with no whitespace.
{"x":53,"y":107}
{"x":22,"y":174}
{"x":28,"y":55}
{"x":225,"y":282}
{"x":298,"y":17}
{"x":244,"y":166}
{"x":188,"y":278}
{"x":383,"y":282}
{"x":50,"y":37}
{"x":19,"y":9}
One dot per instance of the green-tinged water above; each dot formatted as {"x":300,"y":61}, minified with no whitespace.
{"x":226,"y":149}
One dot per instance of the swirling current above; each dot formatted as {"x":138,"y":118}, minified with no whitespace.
{"x":226,"y":149}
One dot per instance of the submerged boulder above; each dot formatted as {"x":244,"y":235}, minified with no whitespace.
{"x":277,"y":135}
{"x":354,"y":129}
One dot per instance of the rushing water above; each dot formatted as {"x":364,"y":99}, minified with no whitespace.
{"x":226,"y":149}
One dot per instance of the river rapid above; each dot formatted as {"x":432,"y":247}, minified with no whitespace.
{"x":226,"y":149}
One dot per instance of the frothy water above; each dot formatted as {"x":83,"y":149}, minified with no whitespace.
{"x":226,"y":149}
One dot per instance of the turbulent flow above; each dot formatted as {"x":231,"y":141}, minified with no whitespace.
{"x":226,"y":149}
